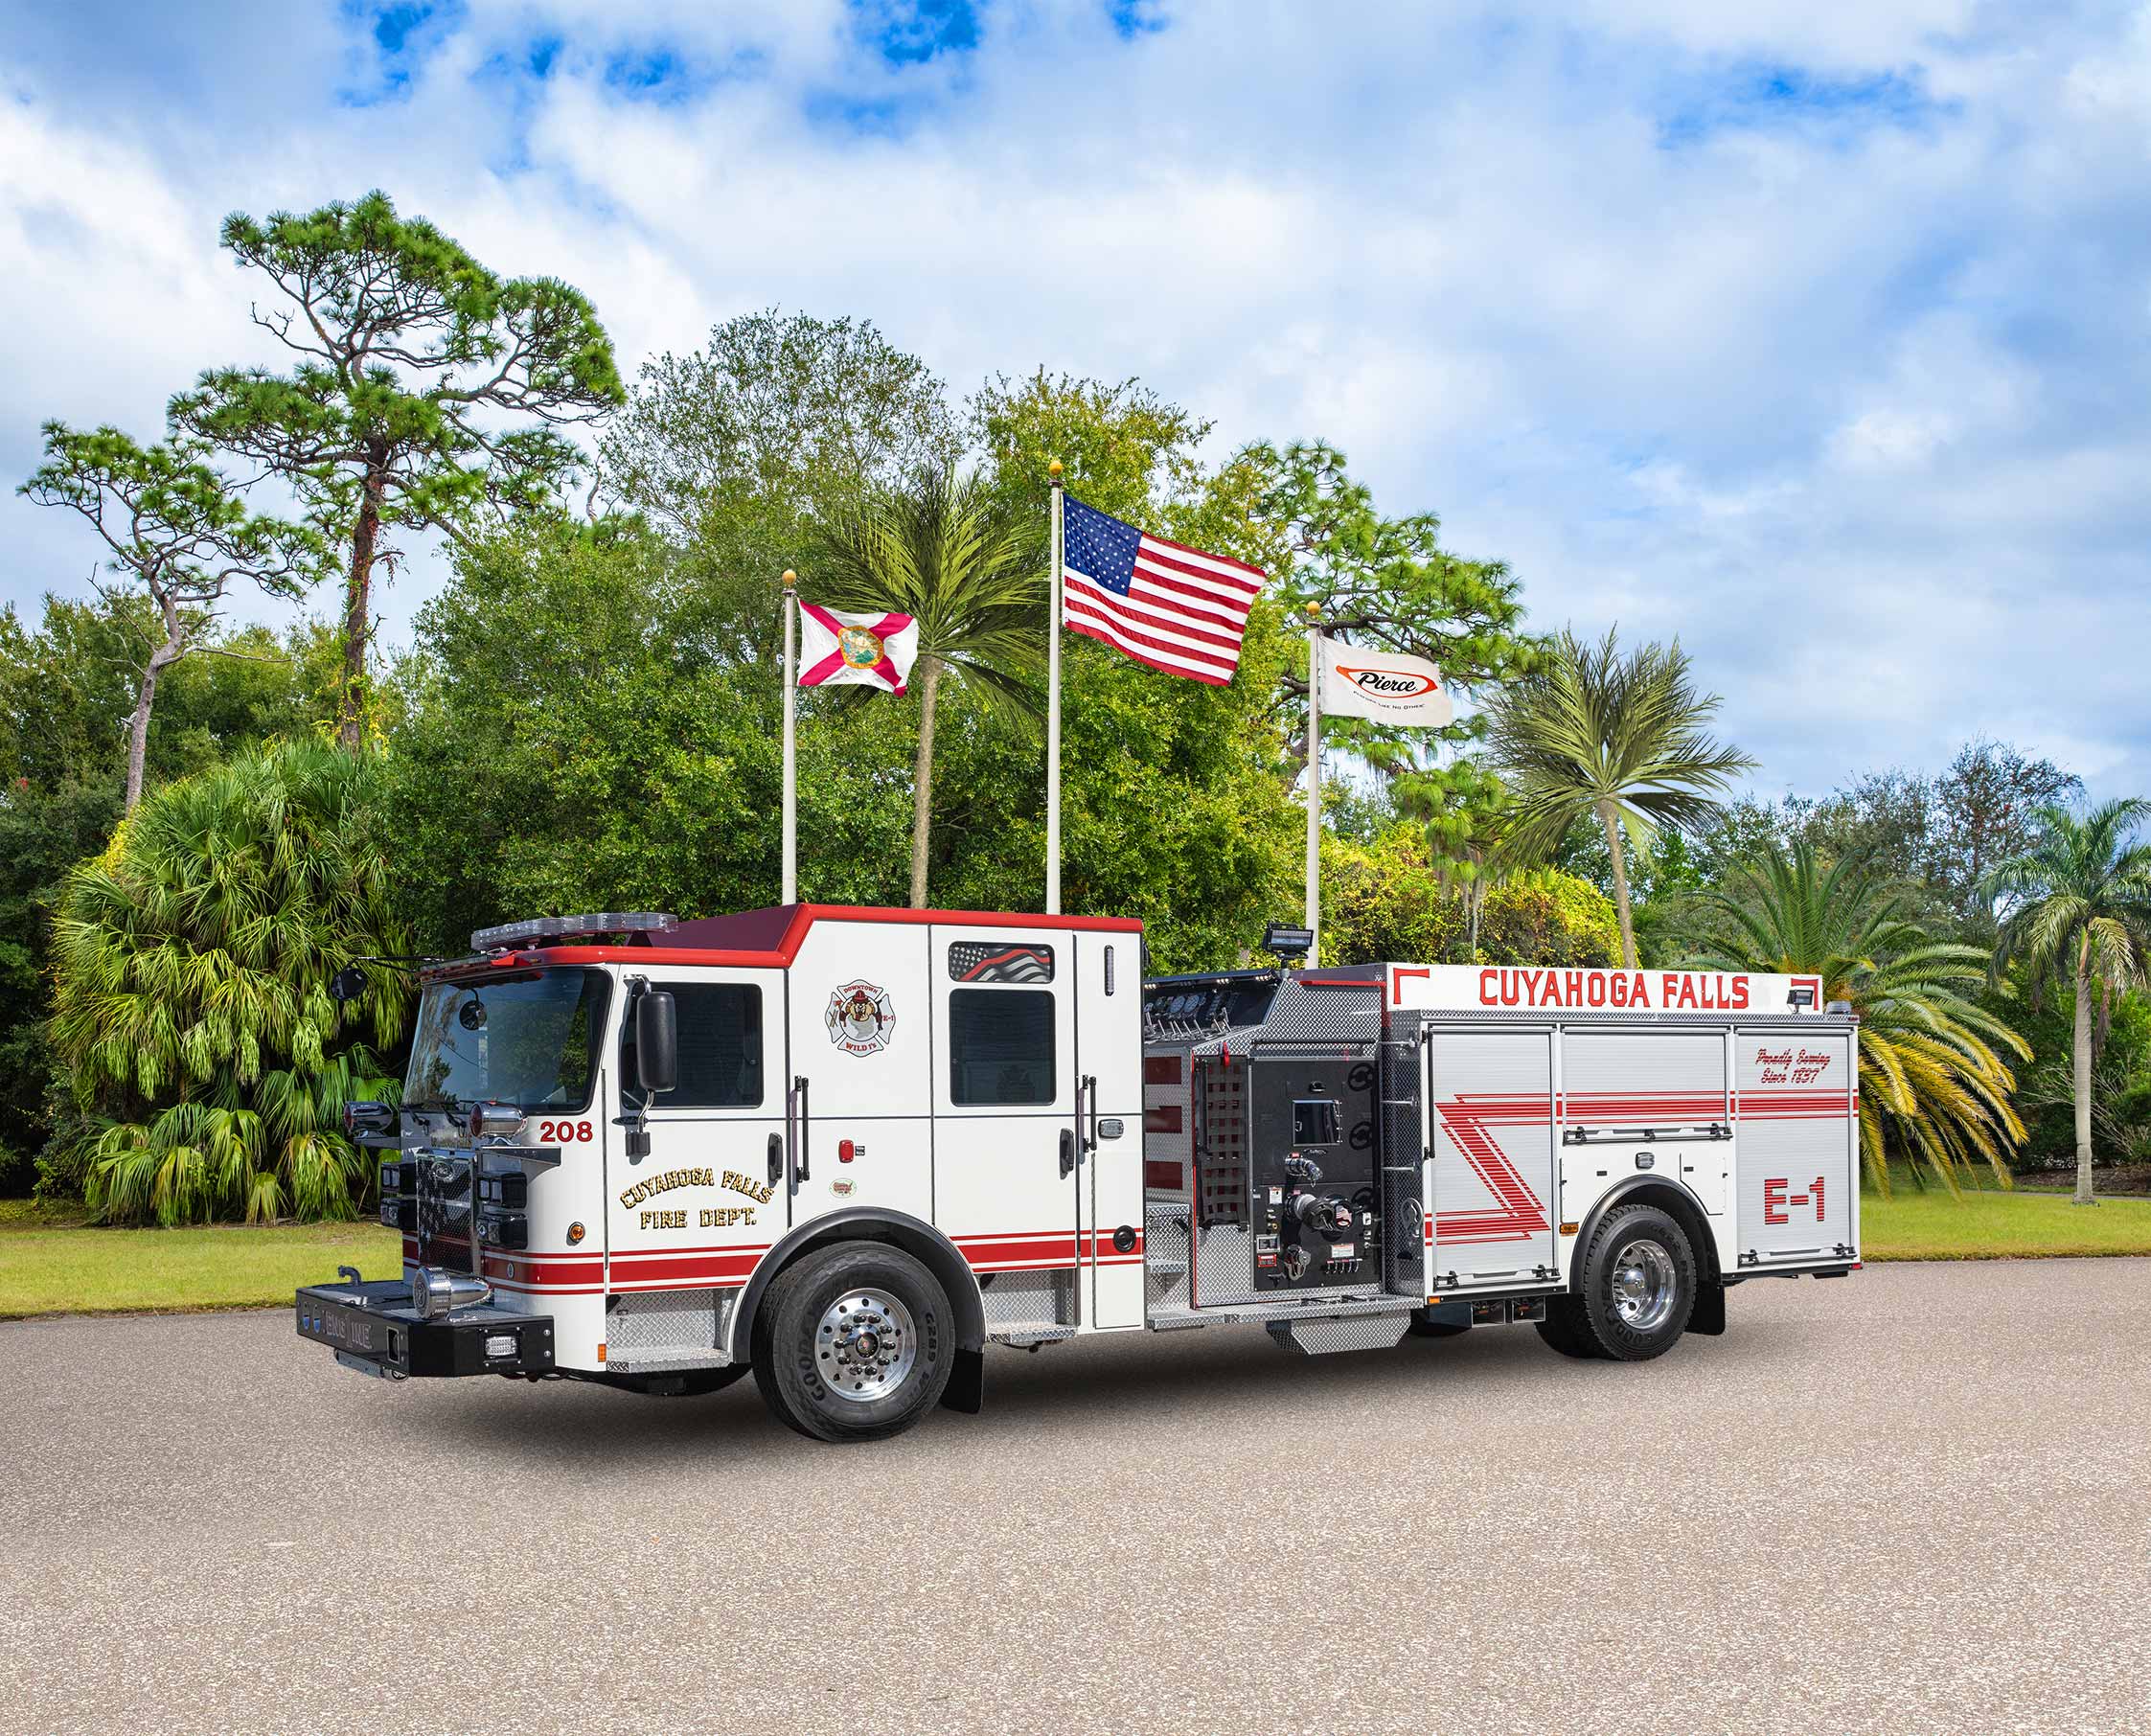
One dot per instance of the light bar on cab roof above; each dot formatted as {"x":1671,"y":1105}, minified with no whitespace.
{"x":559,"y":927}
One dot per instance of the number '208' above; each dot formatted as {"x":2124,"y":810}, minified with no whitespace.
{"x":565,"y":1133}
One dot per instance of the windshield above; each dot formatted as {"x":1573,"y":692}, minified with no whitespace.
{"x":531,"y":1041}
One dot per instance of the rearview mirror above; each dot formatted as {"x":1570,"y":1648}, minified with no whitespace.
{"x":346,"y":985}
{"x":656,"y":1042}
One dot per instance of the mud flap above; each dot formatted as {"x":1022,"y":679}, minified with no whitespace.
{"x":965,"y":1390}
{"x":1709,"y":1315}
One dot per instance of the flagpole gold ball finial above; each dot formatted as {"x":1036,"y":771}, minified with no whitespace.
{"x":1053,"y":470}
{"x":790,"y":578}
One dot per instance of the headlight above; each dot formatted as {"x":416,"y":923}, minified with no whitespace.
{"x":435,"y":1292}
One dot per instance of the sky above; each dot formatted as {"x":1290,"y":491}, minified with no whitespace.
{"x":1817,"y":334}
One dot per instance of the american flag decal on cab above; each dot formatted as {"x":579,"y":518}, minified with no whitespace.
{"x":999,"y":961}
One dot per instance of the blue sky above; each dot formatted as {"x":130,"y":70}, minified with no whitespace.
{"x":1819,"y":336}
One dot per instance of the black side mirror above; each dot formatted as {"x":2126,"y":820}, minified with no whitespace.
{"x":346,"y":985}
{"x":656,"y":1042}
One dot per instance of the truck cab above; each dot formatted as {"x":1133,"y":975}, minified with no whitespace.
{"x":622,"y":1135}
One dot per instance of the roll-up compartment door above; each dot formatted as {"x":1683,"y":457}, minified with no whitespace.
{"x":1489,"y":1097}
{"x":1658,"y":1091}
{"x":1795,"y":1135}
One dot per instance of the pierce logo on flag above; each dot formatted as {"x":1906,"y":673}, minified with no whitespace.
{"x":1384,"y":687}
{"x":840,"y":649}
{"x":1177,"y":608}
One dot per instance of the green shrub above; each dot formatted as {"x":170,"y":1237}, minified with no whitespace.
{"x":1388,"y":901}
{"x":191,"y":1002}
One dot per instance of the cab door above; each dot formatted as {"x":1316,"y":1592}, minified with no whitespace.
{"x":1110,"y":1190}
{"x":709,"y":1200}
{"x":1007,"y":1151}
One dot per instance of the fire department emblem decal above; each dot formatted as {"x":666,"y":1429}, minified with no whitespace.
{"x":859,"y":1018}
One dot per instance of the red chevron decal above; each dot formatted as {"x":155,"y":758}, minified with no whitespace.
{"x":1519,"y":1213}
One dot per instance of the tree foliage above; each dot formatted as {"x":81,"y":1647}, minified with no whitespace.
{"x":191,"y":999}
{"x":1933,"y":1089}
{"x":1624,"y":738}
{"x":945,"y":552}
{"x":1390,"y":899}
{"x":2077,"y":909}
{"x":734,"y":449}
{"x":580,"y":738}
{"x":426,"y":390}
{"x":172,"y":526}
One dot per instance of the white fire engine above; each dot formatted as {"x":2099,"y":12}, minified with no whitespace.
{"x":847,"y":1149}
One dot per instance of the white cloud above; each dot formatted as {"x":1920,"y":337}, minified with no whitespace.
{"x":1815,"y":334}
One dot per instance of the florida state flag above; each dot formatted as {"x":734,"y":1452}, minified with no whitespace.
{"x":837,"y":648}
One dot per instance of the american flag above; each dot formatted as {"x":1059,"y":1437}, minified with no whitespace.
{"x":1164,"y":604}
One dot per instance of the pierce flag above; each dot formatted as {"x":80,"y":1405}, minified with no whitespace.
{"x":839,"y":649}
{"x":1387,"y":687}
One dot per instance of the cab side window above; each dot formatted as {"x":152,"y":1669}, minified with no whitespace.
{"x":1000,"y":1046}
{"x":719,"y":1048}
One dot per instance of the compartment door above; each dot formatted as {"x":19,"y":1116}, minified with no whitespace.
{"x":1109,"y":1062}
{"x":1619,"y":1086}
{"x":1490,"y":1109}
{"x":1798,"y":1152}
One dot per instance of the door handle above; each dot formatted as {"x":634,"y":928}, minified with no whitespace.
{"x":1090,"y":1097}
{"x":799,"y":1170}
{"x":776,"y":1159}
{"x":1068,"y":1151}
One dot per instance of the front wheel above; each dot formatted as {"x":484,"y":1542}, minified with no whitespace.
{"x":853,"y":1343}
{"x":1638,"y":1287}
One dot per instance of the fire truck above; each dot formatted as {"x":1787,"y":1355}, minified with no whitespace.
{"x":848,"y":1148}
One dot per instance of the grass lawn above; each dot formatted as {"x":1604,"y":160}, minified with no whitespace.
{"x":51,"y":1264}
{"x":1989,"y":1224}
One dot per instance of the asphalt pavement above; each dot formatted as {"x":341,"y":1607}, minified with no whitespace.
{"x":1916,"y":1500}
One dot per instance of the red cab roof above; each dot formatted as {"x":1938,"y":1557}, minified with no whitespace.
{"x":772,"y":936}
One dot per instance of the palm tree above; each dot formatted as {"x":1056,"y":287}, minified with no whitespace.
{"x":1622,"y":737}
{"x":191,"y":999}
{"x":1932,"y":1085}
{"x":945,"y":552}
{"x":2079,"y":909}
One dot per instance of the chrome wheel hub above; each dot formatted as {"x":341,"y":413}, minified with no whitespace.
{"x":865,"y":1345}
{"x":1644,"y":1285}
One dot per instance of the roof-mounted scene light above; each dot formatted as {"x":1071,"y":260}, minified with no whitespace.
{"x":1288,"y":941}
{"x":561,"y":928}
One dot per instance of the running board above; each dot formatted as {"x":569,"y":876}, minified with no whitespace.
{"x":1280,"y":1313}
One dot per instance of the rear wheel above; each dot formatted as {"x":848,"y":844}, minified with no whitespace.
{"x":1638,"y":1287}
{"x":1562,"y":1329}
{"x":853,"y":1343}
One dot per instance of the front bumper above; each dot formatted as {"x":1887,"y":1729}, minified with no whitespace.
{"x":372,"y":1327}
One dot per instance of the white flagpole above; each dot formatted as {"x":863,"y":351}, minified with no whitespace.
{"x":1315,"y":780}
{"x":1053,"y":712}
{"x":790,"y":890}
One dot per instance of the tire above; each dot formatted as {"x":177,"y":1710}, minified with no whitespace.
{"x":1420,"y":1326}
{"x":1638,"y":1287}
{"x":1562,"y":1329}
{"x":853,"y":1343}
